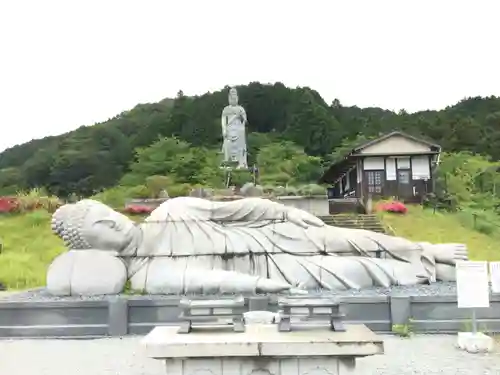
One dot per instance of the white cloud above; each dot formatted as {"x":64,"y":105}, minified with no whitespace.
{"x":63,"y":65}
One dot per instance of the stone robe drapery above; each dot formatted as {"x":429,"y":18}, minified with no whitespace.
{"x":256,"y":236}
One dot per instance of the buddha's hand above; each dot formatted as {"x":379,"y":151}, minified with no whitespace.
{"x":194,"y":280}
{"x":302,"y":218}
{"x":447,"y":253}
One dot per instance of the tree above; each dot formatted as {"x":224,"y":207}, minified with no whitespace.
{"x":285,"y":163}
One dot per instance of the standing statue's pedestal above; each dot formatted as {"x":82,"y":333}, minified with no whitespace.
{"x":262,"y":350}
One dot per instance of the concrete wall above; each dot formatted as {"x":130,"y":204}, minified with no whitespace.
{"x":316,"y":205}
{"x":118,"y":316}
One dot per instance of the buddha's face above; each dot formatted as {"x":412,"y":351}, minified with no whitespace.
{"x":107,"y":229}
{"x":92,"y":225}
{"x":233,"y":97}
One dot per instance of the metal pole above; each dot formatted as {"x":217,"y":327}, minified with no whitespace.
{"x":474,"y":321}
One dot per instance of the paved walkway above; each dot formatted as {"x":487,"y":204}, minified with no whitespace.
{"x":419,"y":355}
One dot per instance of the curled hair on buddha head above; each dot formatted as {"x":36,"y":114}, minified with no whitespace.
{"x":68,"y":223}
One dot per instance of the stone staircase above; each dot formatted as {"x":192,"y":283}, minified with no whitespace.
{"x":355,"y":221}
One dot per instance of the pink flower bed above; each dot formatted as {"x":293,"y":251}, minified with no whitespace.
{"x":395,"y":207}
{"x":8,"y":204}
{"x":137,"y":209}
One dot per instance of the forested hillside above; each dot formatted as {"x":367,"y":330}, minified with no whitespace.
{"x":292,"y":134}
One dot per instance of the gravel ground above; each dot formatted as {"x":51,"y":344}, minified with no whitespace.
{"x":435,"y":289}
{"x":422,"y":355}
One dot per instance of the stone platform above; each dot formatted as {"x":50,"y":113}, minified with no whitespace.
{"x":262,"y":350}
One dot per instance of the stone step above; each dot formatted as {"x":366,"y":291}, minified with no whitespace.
{"x":367,"y":222}
{"x":355,"y":225}
{"x":352,"y":223}
{"x":379,"y":230}
{"x":350,"y":217}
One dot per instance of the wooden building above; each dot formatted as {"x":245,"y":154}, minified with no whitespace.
{"x":394,"y":165}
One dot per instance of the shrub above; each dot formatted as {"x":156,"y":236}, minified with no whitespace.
{"x":280,"y":178}
{"x":156,"y":184}
{"x":114,"y":197}
{"x":280,"y":191}
{"x":240,"y":177}
{"x":486,"y":228}
{"x":8,"y":205}
{"x":179,"y":190}
{"x":36,"y":199}
{"x":268,"y":189}
{"x":118,"y":196}
{"x":312,"y":189}
{"x":291,"y":191}
{"x":139,"y":192}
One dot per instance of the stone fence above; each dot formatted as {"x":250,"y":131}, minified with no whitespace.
{"x":315,"y":204}
{"x":122,"y":315}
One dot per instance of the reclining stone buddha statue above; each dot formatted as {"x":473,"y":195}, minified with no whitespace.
{"x":251,"y":245}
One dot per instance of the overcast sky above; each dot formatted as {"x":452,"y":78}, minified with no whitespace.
{"x":63,"y":65}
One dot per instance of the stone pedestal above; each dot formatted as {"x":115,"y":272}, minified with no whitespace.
{"x":262,"y":350}
{"x":475,"y":342}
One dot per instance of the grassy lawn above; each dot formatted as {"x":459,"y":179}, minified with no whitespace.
{"x":28,"y":248}
{"x":421,"y":224}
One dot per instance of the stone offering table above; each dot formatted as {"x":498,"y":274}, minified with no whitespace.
{"x":212,"y":311}
{"x":311,"y":310}
{"x":262,"y":350}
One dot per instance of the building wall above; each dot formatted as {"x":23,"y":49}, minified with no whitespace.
{"x":396,"y":145}
{"x":419,"y":165}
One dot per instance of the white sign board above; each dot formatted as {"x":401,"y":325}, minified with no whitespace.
{"x":495,"y":276}
{"x":473,"y":289}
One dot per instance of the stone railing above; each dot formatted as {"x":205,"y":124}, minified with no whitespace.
{"x":127,"y":314}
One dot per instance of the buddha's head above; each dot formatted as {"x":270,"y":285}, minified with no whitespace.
{"x":233,"y":96}
{"x":89,"y":224}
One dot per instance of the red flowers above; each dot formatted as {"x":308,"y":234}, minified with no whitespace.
{"x":396,"y":207}
{"x":27,"y":203}
{"x":8,"y":205}
{"x":136,"y":209}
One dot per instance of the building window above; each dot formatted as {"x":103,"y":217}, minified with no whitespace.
{"x":404,"y":177}
{"x":374,"y":179}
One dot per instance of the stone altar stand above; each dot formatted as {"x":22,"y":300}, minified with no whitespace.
{"x":262,"y":350}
